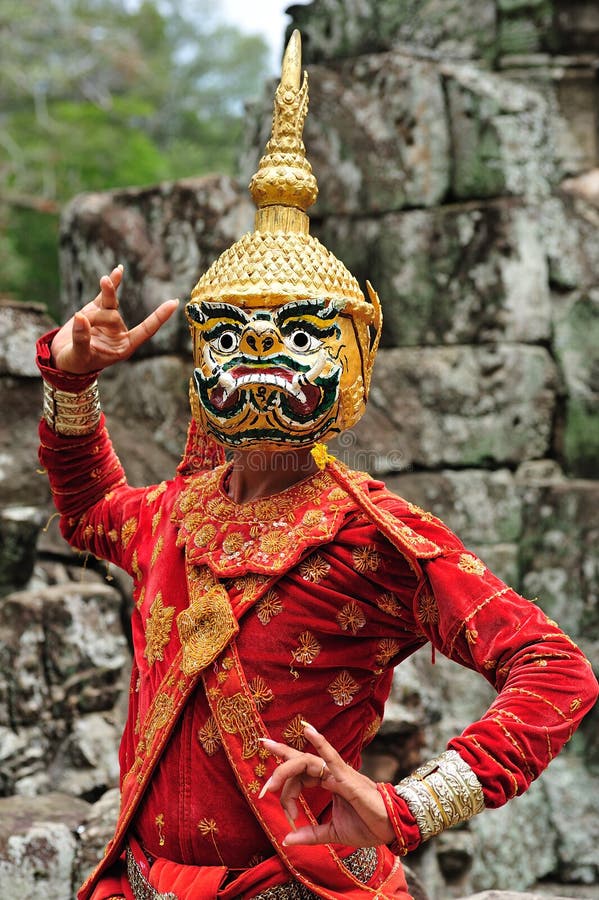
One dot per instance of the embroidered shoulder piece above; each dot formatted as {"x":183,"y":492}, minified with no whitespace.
{"x":265,"y":536}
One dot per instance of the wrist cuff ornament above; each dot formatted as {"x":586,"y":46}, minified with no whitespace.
{"x":442,"y":793}
{"x":72,"y":414}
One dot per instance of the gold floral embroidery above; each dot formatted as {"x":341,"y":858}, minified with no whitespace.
{"x":253,"y":787}
{"x":575,"y":705}
{"x":128,"y":530}
{"x":489,"y":664}
{"x":307,"y":649}
{"x":314,"y":568}
{"x":471,"y":635}
{"x":236,"y":716}
{"x":371,"y":730}
{"x":389,"y":604}
{"x":137,"y":573}
{"x":159,"y":821}
{"x":471,"y":564}
{"x":261,"y":692}
{"x":154,"y":494}
{"x":366,"y":559}
{"x":274,"y":542}
{"x":158,"y":716}
{"x":387,"y":648}
{"x":233,"y":543}
{"x":269,"y":606}
{"x":204,"y":535}
{"x":156,"y":520}
{"x":351,"y":617}
{"x":312,"y":517}
{"x":294,"y":732}
{"x":113,"y":535}
{"x":157,"y":550}
{"x":343,"y":688}
{"x":158,"y":629}
{"x":209,"y":829}
{"x":337,"y":494}
{"x":249,"y":585}
{"x":260,"y":770}
{"x":421,"y":513}
{"x":209,"y":737}
{"x":88,"y":532}
{"x":428,"y":611}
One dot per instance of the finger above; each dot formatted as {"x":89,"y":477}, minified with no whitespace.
{"x":152,"y":323}
{"x":334,"y":763}
{"x":108,"y":298}
{"x":81,"y":331}
{"x":312,"y":834}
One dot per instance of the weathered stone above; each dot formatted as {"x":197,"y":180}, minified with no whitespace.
{"x":94,"y":833}
{"x":20,"y":483}
{"x":519,"y":895}
{"x":458,"y":274}
{"x":558,"y":552}
{"x":523,"y":25}
{"x":577,"y":26}
{"x":377,"y":128}
{"x":19,"y":527}
{"x":573,"y":793}
{"x":458,"y":406}
{"x":62,"y":654}
{"x":576,"y":348}
{"x":37,"y":846}
{"x":87,"y":761}
{"x":20,"y":326}
{"x":569,"y":235}
{"x":165,"y":236}
{"x":501,"y":133}
{"x":338,"y":28}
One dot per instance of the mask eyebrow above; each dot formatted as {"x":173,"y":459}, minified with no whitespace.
{"x":318,"y":309}
{"x":205,"y":311}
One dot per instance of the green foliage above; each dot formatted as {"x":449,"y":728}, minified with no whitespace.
{"x":99,"y":95}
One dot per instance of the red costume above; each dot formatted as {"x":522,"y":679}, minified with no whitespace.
{"x":251,"y":619}
{"x":326,"y":606}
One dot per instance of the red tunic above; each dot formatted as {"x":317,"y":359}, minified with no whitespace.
{"x":339,"y":607}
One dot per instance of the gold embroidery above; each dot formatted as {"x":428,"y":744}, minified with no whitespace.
{"x":205,"y":628}
{"x":314,"y":568}
{"x":421,"y":513}
{"x":371,"y":730}
{"x":113,"y":535}
{"x":88,"y":532}
{"x":294,"y":732}
{"x":351,"y":617}
{"x":312,"y":517}
{"x":233,"y":543}
{"x":471,"y":564}
{"x":141,"y":597}
{"x":307,"y":648}
{"x":156,"y":520}
{"x":489,"y":664}
{"x":338,"y":494}
{"x":235,"y":716}
{"x":254,"y":787}
{"x":158,"y":716}
{"x":158,"y":629}
{"x":204,"y":535}
{"x":471,"y":635}
{"x":261,"y":692}
{"x":159,"y":821}
{"x":366,"y":559}
{"x":428,"y":611}
{"x":387,"y":648}
{"x":209,"y":737}
{"x":389,"y":604}
{"x":155,"y":493}
{"x":274,"y":542}
{"x":343,"y":688}
{"x":137,"y":573}
{"x":260,"y":770}
{"x":157,"y":550}
{"x":128,"y":529}
{"x":209,"y":829}
{"x":269,"y":606}
{"x":249,"y":585}
{"x":575,"y":705}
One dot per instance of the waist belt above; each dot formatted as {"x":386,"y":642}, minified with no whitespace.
{"x":361,"y":863}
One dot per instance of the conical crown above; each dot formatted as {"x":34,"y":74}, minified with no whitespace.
{"x":280,"y":259}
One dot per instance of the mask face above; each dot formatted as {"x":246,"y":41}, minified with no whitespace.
{"x":274,"y":376}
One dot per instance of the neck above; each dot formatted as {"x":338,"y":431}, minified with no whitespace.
{"x":260,"y":473}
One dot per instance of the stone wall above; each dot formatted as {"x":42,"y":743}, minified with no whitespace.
{"x":455,"y":146}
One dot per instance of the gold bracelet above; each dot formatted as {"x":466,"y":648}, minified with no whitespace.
{"x":442,"y":793}
{"x":72,"y":414}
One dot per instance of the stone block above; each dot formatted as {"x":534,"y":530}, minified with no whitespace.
{"x":165,"y":236}
{"x":19,"y":528}
{"x":572,"y":791}
{"x":576,"y":349}
{"x":456,"y":274}
{"x":376,"y":135}
{"x":502,"y":135}
{"x":558,"y":553}
{"x":577,"y":26}
{"x":20,"y":482}
{"x":38,"y":845}
{"x":524,"y":26}
{"x":63,"y":655}
{"x":94,"y":833}
{"x":456,"y":406}
{"x":568,"y":226}
{"x":21,"y":324}
{"x":340,"y":28}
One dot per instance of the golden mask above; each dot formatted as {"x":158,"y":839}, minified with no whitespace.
{"x":283,"y":338}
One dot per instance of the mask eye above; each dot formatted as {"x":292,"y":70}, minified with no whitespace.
{"x":227,"y":342}
{"x":302,"y":341}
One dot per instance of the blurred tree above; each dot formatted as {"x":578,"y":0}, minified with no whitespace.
{"x":103,"y":93}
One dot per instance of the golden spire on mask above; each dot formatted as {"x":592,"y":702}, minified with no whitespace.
{"x":281,"y":260}
{"x":284,"y":186}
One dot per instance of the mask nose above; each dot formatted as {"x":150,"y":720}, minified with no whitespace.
{"x":259,"y":341}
